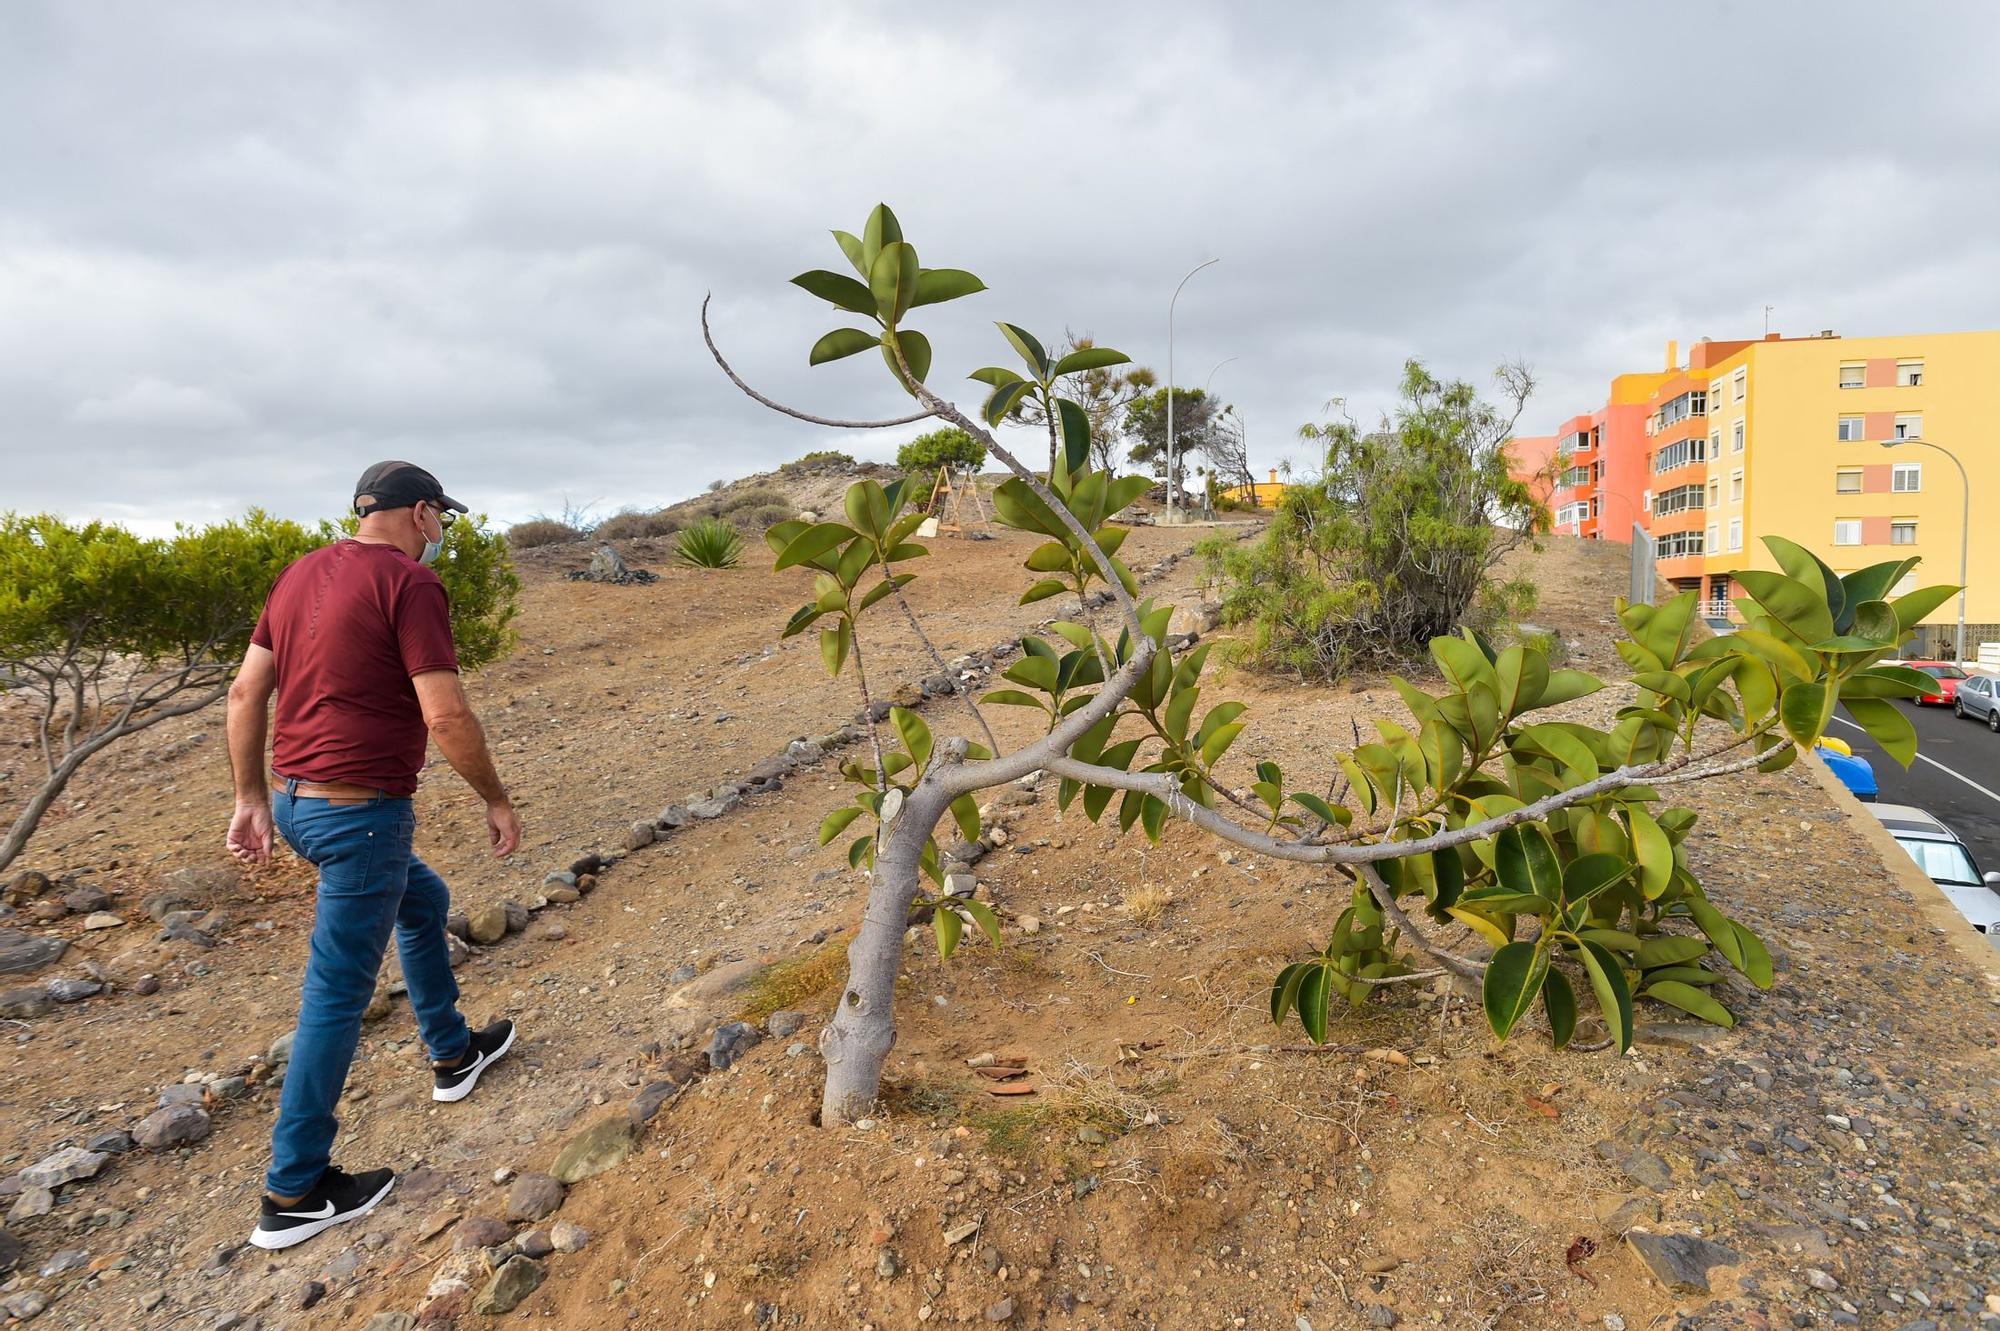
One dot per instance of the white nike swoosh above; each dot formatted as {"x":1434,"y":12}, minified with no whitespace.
{"x":309,"y":1215}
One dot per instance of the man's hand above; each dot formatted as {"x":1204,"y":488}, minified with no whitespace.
{"x":250,"y":833}
{"x":504,"y":825}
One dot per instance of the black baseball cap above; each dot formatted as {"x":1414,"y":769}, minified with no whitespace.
{"x":399,"y":485}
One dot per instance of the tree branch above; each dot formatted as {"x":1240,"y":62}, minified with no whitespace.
{"x":780,"y":407}
{"x":1386,"y":899}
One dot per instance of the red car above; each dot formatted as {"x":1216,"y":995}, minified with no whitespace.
{"x":1947,"y":676}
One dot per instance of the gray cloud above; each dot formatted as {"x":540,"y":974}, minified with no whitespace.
{"x":244,"y":251}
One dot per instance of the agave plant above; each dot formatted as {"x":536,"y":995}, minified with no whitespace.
{"x":710,"y":543}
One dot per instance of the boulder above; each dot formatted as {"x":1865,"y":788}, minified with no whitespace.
{"x":723,"y":981}
{"x":674,"y":815}
{"x":568,"y":1237}
{"x":176,"y":1125}
{"x":20,"y":952}
{"x":86,"y":899}
{"x":603,"y":1145}
{"x":70,"y":990}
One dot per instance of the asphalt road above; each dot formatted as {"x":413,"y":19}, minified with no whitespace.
{"x":1956,"y":776}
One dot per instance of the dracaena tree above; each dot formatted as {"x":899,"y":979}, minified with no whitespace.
{"x":1553,"y":843}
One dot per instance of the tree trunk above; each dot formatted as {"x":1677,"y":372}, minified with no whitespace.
{"x":38,"y":804}
{"x":856,"y":1043}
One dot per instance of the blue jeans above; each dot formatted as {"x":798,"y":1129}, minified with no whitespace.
{"x":369,"y":884}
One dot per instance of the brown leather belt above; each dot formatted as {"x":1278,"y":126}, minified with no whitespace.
{"x":340,"y":792}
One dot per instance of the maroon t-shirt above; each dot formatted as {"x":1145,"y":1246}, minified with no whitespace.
{"x":348,"y":625}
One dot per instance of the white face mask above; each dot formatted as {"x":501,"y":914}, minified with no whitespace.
{"x":432,"y":549}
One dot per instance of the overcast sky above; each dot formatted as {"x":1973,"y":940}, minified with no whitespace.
{"x":246,"y":250}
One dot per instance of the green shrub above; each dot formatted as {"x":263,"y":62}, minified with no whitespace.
{"x":710,"y":543}
{"x":827,"y":459}
{"x":632,"y":525}
{"x":537,"y":532}
{"x":950,"y":446}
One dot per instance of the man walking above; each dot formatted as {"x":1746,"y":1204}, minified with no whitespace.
{"x":355,"y":640}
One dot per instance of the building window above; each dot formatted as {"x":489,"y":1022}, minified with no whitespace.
{"x":1715,"y":443}
{"x":1903,"y":533}
{"x":1572,"y":515}
{"x":1736,"y":533}
{"x":1736,"y":444}
{"x":1904,"y":585}
{"x":1673,"y":545}
{"x":1677,"y":500}
{"x":1854,"y":375}
{"x":1909,"y":373}
{"x":1847,"y":531}
{"x":1736,"y":486}
{"x":1714,"y":493}
{"x":1713,"y":544}
{"x":1741,"y":382}
{"x":1679,"y":454}
{"x":1851,"y":429}
{"x":1909,"y":425}
{"x":1847,"y":481}
{"x":1908,"y":478}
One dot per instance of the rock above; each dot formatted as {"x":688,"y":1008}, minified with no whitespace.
{"x":564,"y":896}
{"x":517,"y":916}
{"x":229,"y":1088}
{"x":1647,"y":1170}
{"x":146,"y":985}
{"x":535,"y":1243}
{"x":176,"y":1125}
{"x":1376,"y":1314}
{"x":584,"y":885}
{"x":102,"y":919}
{"x":730,"y":1042}
{"x":1028,"y":924}
{"x":1001,"y":1311}
{"x":713,"y":808}
{"x":533,"y":1197}
{"x":515,"y":1280}
{"x":1819,"y":1279}
{"x":648,"y":1101}
{"x":480,"y":1231}
{"x":603,"y":1145}
{"x":1681,"y":1262}
{"x":488,"y":925}
{"x":731,"y":977}
{"x":86,"y":899}
{"x":674,"y":815}
{"x":390,"y":1321}
{"x":114,"y":1142}
{"x":887,"y":1264}
{"x":639,"y":836}
{"x":568,"y":1237}
{"x":159,"y":905}
{"x":961,"y":885}
{"x":65,"y":1259}
{"x":784,"y":1022}
{"x":10,"y":1253}
{"x":456,"y":951}
{"x":21,"y":952}
{"x":802,"y":751}
{"x":65,"y":1166}
{"x":458,"y":925}
{"x":31,"y":1203}
{"x":27,"y":885}
{"x":584,"y":866}
{"x":32,"y":1001}
{"x":280,"y":1052}
{"x":1630,"y":1213}
{"x":962,"y":1231}
{"x":69,"y":990}
{"x":184,"y":931}
{"x":26,"y":1305}
{"x":551,"y":931}
{"x":309,"y":1293}
{"x":184,"y":1093}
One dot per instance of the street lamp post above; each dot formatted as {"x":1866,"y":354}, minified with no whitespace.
{"x":1964,"y":527}
{"x":1170,"y":382}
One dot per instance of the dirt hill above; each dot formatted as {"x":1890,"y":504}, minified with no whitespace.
{"x":1180,"y":1163}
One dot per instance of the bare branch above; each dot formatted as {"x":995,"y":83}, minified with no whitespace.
{"x":1385,"y":897}
{"x":793,"y":412}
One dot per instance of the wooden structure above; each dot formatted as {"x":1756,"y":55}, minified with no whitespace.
{"x":956,"y":503}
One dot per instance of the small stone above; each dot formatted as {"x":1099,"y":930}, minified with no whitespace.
{"x":65,"y":1166}
{"x":568,"y":1237}
{"x":535,"y":1243}
{"x":1613,"y":1322}
{"x":560,"y":878}
{"x":534,"y":1197}
{"x":1647,"y":1170}
{"x":280,"y":1052}
{"x":1001,"y":1311}
{"x":309,"y":1293}
{"x":28,"y":1001}
{"x":959,"y":1233}
{"x":1681,"y":1262}
{"x":488,"y":925}
{"x":1028,"y":924}
{"x":564,"y":896}
{"x":102,"y":919}
{"x":517,"y":916}
{"x":1819,"y":1279}
{"x":887,"y":1264}
{"x":783,"y":1023}
{"x":648,"y":1101}
{"x":26,"y":1305}
{"x":1631,"y":1213}
{"x":729,"y":1043}
{"x":516,"y":1279}
{"x":389,"y":1321}
{"x":1377,"y":1314}
{"x":31,"y":1203}
{"x":176,"y":1125}
{"x":69,"y":990}
{"x":674,"y":815}
{"x":480,"y":1231}
{"x":115,"y":1142}
{"x":146,"y":985}
{"x":639,"y":836}
{"x":601,"y":1146}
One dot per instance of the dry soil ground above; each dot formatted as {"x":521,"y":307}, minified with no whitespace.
{"x":1180,"y":1165}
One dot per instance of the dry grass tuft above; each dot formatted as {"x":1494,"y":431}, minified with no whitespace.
{"x":805,"y":982}
{"x":1147,"y":904}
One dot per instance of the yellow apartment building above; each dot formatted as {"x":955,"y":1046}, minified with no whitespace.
{"x":1791,"y":434}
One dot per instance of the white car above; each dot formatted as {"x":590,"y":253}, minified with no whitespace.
{"x":1942,"y":856}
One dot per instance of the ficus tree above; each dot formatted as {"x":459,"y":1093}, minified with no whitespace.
{"x":1550,"y":842}
{"x":108,"y":634}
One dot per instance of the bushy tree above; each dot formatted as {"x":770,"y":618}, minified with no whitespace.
{"x":110,"y":634}
{"x":949,"y":447}
{"x":1104,"y":386}
{"x":1551,"y":841}
{"x":1198,"y":427}
{"x":1395,"y":543}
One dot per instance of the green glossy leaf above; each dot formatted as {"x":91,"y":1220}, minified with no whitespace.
{"x":1587,"y":875}
{"x":1559,"y":1002}
{"x":1513,"y":979}
{"x":1690,"y":1000}
{"x":892,"y":280}
{"x":965,"y":812}
{"x":1088,"y":358}
{"x":1004,"y":399}
{"x":915,"y":734}
{"x":1030,"y":350}
{"x":1614,"y":996}
{"x":1757,"y":966}
{"x":837,"y":289}
{"x":813,"y":542}
{"x":1567,"y":686}
{"x":882,"y":228}
{"x":839,"y":343}
{"x":1805,"y":710}
{"x":1153,"y":817}
{"x":1521,"y":675}
{"x":836,"y":822}
{"x":1526,"y":862}
{"x":1074,"y":431}
{"x":1790,"y":602}
{"x":1617,"y":940}
{"x":949,"y":928}
{"x":1652,"y":849}
{"x":916,"y":350}
{"x":941,"y":284}
{"x":1315,"y":995}
{"x":851,"y":245}
{"x":1888,"y":726}
{"x":1912,"y":609}
{"x":1463,"y":663}
{"x":833,"y":645}
{"x":1810,"y":571}
{"x":1670,"y":950}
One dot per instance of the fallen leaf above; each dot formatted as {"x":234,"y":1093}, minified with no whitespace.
{"x":1543,"y":1107}
{"x":1578,"y":1253}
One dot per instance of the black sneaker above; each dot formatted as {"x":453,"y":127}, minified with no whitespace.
{"x":448,"y":1084}
{"x":335,"y":1199}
